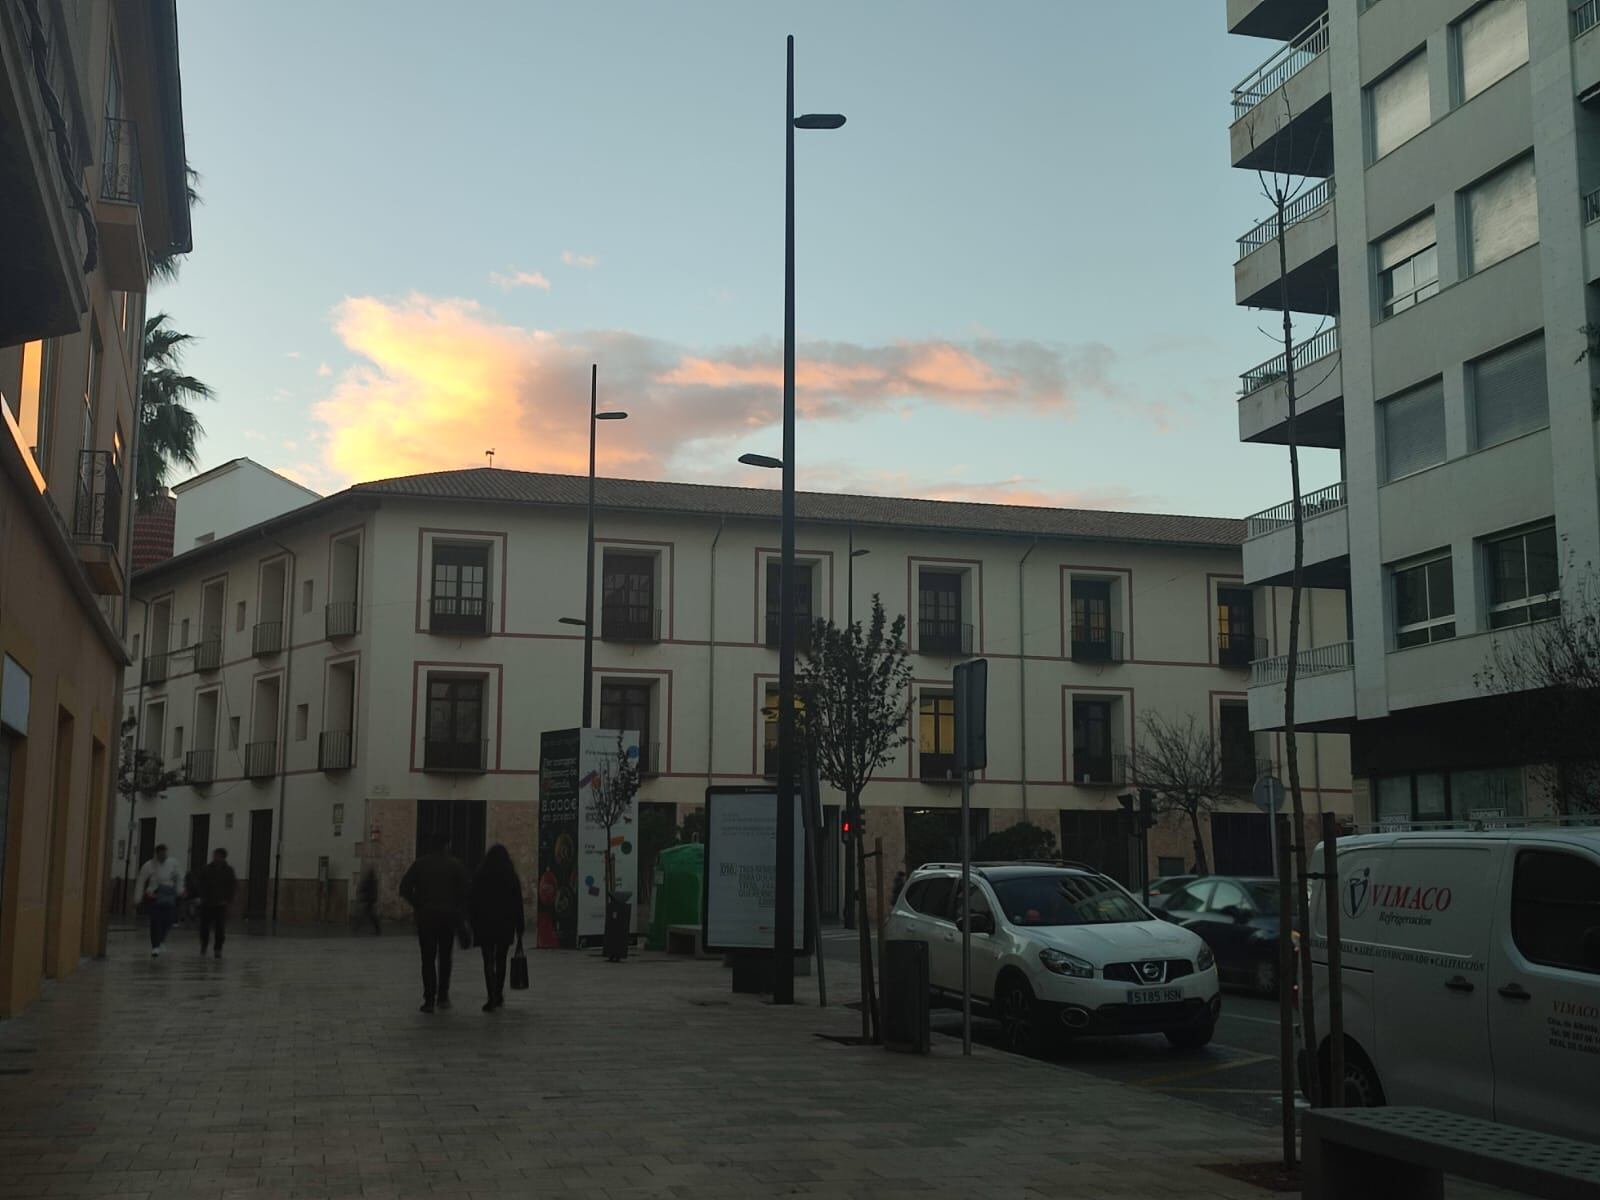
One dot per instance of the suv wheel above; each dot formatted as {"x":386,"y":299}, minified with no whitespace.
{"x":1019,"y":1018}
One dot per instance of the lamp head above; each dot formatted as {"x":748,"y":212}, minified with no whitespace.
{"x":819,"y":121}
{"x":762,"y":460}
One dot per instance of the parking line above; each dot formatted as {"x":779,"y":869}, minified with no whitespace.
{"x":1241,"y":1017}
{"x":1195,"y":1073}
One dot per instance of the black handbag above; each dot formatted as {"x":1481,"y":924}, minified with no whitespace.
{"x":519,"y":968}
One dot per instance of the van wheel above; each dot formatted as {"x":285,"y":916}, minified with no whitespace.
{"x":1361,"y":1086}
{"x":1192,"y":1037}
{"x":1019,"y":1018}
{"x":1265,"y":977}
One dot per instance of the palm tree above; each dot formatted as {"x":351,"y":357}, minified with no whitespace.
{"x":169,"y":432}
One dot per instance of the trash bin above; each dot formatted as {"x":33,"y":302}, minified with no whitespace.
{"x":679,"y":875}
{"x":619,"y":923}
{"x":905,"y":997}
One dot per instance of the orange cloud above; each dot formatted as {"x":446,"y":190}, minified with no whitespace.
{"x":440,"y":380}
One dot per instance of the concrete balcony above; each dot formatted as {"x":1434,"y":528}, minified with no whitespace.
{"x":1269,"y":542}
{"x":44,"y":236}
{"x":1311,"y":251}
{"x":1591,"y":232}
{"x":1283,"y":110}
{"x":1325,"y":693}
{"x":1586,"y":49}
{"x":118,"y":211}
{"x":1276,"y":19}
{"x":1319,"y":396}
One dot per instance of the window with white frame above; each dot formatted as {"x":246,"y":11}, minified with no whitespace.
{"x":1510,"y":393}
{"x":1524,"y":577}
{"x":1413,"y":430}
{"x":1491,"y":42}
{"x":1502,"y":214}
{"x":1398,"y":105}
{"x":1408,"y":266}
{"x":1424,"y":603}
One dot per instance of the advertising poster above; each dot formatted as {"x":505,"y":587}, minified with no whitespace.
{"x":741,"y":870}
{"x":598,"y":753}
{"x":557,"y":892}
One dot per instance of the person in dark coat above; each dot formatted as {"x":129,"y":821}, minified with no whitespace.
{"x":218,"y":883}
{"x":495,"y":909}
{"x":436,"y":887}
{"x":367,"y":893}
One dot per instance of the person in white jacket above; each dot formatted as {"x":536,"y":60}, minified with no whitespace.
{"x":161,"y":885}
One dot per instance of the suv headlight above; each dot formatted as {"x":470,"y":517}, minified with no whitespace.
{"x":1060,"y":963}
{"x":1205,"y":960}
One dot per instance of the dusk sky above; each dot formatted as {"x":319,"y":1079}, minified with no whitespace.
{"x":420,"y":225}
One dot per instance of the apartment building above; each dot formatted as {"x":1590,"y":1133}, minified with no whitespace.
{"x":1442,"y":249}
{"x":92,"y":192}
{"x":379,"y":664}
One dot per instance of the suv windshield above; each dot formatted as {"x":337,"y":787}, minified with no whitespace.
{"x":1032,"y":900}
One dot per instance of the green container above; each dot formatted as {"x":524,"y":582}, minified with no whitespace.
{"x":679,"y":880}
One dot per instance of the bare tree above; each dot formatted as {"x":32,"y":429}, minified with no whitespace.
{"x":611,"y":800}
{"x":854,"y":695}
{"x":1181,"y":763}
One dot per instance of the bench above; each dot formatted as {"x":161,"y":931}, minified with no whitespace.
{"x":1404,"y":1153}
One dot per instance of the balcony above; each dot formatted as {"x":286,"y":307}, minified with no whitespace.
{"x":45,"y":233}
{"x":340,"y":620}
{"x":335,"y":750}
{"x":1099,"y":770}
{"x":1319,"y":396}
{"x":97,"y":520}
{"x":117,"y":210}
{"x":949,"y":639}
{"x":199,"y":767}
{"x":1283,"y":110}
{"x":1090,"y":645}
{"x":1239,"y":649}
{"x":769,"y":761}
{"x":455,"y":757}
{"x":156,"y":666}
{"x":651,"y":763}
{"x":460,"y":615}
{"x":1586,"y":51}
{"x":1585,"y":16}
{"x":1269,"y":542}
{"x":1324,"y":690}
{"x":629,"y":623}
{"x":260,"y":760}
{"x":804,"y":623}
{"x":1276,"y":19}
{"x":208,"y":650}
{"x":266,"y":638}
{"x":937,"y":768}
{"x":1311,"y":251}
{"x":1591,"y":223}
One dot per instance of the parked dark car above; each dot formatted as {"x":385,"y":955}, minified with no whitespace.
{"x":1238,"y":918}
{"x":1163,"y":889}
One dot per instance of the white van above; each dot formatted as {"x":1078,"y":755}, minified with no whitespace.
{"x":1471,"y":973}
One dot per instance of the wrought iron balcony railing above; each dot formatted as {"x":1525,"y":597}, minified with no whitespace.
{"x":1315,"y":504}
{"x":651,"y":763}
{"x":120,"y":176}
{"x":1240,"y":649}
{"x":266,"y":638}
{"x":455,"y":755}
{"x":1591,"y":200}
{"x":936,"y":768}
{"x":199,"y":767}
{"x":340,"y":619}
{"x":208,"y":650}
{"x":1099,"y":770}
{"x":1090,"y":645}
{"x":156,"y":667}
{"x":459,"y":614}
{"x":629,"y":623}
{"x":951,"y":638}
{"x":97,"y":510}
{"x":803,"y":625}
{"x":261,"y":759}
{"x":335,"y":750}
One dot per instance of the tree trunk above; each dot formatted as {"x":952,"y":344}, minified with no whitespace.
{"x":869,"y":994}
{"x":1202,"y":866}
{"x":1308,"y":1008}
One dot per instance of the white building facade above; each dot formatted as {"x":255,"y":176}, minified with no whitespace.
{"x":379,"y":664}
{"x":1442,"y":251}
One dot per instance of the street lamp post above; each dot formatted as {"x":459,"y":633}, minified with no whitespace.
{"x":852,"y":844}
{"x":588,"y":580}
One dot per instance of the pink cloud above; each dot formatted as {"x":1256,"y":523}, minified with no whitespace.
{"x":519,"y":279}
{"x":574,"y":259}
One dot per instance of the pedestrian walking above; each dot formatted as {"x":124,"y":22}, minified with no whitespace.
{"x":495,"y":910}
{"x":218,"y":884}
{"x":161,"y":886}
{"x":367,"y":893}
{"x":436,"y":887}
{"x":897,"y":886}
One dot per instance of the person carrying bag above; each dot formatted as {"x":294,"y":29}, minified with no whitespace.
{"x":519,"y":968}
{"x":495,"y":909}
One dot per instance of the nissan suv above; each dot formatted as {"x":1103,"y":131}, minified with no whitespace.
{"x":1059,"y":950}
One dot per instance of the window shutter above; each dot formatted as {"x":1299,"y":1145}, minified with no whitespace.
{"x":1413,"y":430}
{"x":1400,"y":107}
{"x":1406,"y":243}
{"x":1509,"y":392}
{"x":1493,"y":43}
{"x":1503,"y":212}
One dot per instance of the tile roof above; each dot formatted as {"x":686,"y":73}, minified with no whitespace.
{"x":494,"y":485}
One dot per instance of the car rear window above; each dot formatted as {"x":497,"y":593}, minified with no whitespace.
{"x":930,"y":896}
{"x":1265,"y":896}
{"x":1034,"y":900}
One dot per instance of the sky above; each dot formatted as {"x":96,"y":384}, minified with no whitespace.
{"x":420,"y":225}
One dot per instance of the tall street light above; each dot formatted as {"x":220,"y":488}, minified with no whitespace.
{"x":852,"y":844}
{"x":783,"y":909}
{"x":595,"y":415}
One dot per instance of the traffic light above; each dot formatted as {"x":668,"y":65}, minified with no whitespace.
{"x":1147,"y":808}
{"x":1125,"y":818}
{"x":851,"y":825}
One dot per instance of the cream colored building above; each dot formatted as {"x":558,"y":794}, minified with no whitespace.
{"x":386,"y":658}
{"x":92,"y":192}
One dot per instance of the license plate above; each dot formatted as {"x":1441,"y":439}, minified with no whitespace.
{"x":1155,"y":995}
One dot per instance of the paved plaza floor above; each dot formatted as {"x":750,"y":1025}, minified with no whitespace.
{"x":299,"y":1067}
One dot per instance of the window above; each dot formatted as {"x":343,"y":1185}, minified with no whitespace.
{"x":1236,"y":743}
{"x":628,"y":611}
{"x":177,"y":743}
{"x":460,"y":602}
{"x":1413,"y":430}
{"x":454,"y":737}
{"x":1034,"y":901}
{"x":1510,"y":395}
{"x":238,"y":617}
{"x":136,"y":647}
{"x":1228,"y":894}
{"x":940,"y":629}
{"x":305,"y":596}
{"x":931,"y":896}
{"x":302,"y":721}
{"x":1093,"y":639}
{"x":1502,"y":215}
{"x":91,"y":389}
{"x":233,"y":733}
{"x":1398,"y":104}
{"x":1491,"y":43}
{"x":803,"y":609}
{"x":626,"y":707}
{"x":936,"y":735}
{"x":1094,"y":752}
{"x":1524,"y":578}
{"x":1408,"y":266}
{"x":1192,"y":898}
{"x":769,"y":730}
{"x":1236,"y":633}
{"x":1490,"y":793}
{"x":1424,"y":603}
{"x":1555,"y":910}
{"x":37,"y":396}
{"x":183,"y":633}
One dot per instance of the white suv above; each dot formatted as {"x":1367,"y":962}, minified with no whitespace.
{"x":1057,"y":951}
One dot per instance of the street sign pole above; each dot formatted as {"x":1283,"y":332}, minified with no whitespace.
{"x":1268,"y":797}
{"x":972,"y":754}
